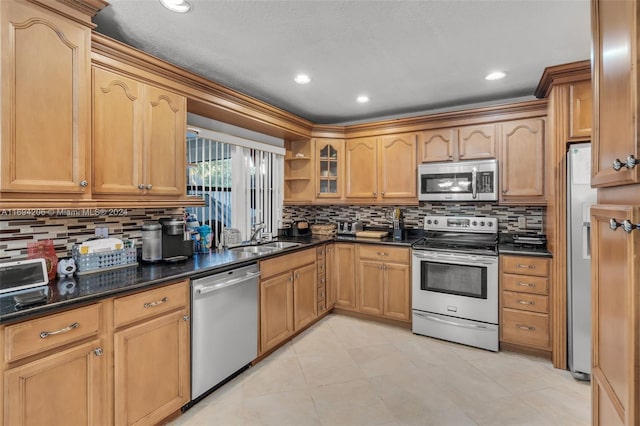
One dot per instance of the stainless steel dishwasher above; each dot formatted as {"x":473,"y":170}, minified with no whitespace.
{"x":224,"y":329}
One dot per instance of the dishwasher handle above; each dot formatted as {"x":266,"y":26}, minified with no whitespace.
{"x":204,"y":289}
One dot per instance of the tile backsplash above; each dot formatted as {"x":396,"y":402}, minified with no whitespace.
{"x":69,"y":227}
{"x":376,"y":216}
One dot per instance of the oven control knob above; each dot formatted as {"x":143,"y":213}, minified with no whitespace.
{"x":435,"y":222}
{"x":489,"y":224}
{"x":428,"y":221}
{"x":474,"y":223}
{"x":482,"y":223}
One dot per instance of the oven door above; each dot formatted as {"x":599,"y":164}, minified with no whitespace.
{"x":456,"y":284}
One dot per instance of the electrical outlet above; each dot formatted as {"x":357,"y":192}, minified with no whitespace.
{"x":102,"y":232}
{"x":522,"y":222}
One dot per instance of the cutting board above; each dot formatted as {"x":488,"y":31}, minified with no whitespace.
{"x":372,"y":234}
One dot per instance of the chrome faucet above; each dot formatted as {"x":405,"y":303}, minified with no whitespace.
{"x":256,"y":228}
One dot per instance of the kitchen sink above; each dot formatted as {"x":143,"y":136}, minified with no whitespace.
{"x":280,"y":244}
{"x":258,"y":250}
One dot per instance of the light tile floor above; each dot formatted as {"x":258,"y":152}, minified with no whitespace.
{"x":346,"y":371}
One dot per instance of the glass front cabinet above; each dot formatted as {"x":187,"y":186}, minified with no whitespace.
{"x":329,"y":164}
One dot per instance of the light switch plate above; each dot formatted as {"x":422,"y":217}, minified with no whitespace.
{"x":102,"y":232}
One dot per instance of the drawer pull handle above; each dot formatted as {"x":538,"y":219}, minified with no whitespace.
{"x":45,"y":334}
{"x":381,"y":253}
{"x":526,"y":302}
{"x":525,"y":327}
{"x":152,"y":304}
{"x":520,"y":265}
{"x":526,"y":284}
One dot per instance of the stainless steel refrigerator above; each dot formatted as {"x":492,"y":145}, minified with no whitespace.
{"x":580,"y":198}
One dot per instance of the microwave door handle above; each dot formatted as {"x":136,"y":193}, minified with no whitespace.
{"x":474,"y":179}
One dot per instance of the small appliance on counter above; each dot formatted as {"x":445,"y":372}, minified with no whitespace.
{"x":231,"y":237}
{"x":537,"y":241}
{"x":176,"y":242}
{"x":350,"y":228}
{"x":151,"y":242}
{"x":301,"y":229}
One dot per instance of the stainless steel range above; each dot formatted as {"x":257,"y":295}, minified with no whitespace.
{"x":455,"y":280}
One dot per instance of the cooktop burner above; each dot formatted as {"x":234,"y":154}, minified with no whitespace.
{"x":462,"y":234}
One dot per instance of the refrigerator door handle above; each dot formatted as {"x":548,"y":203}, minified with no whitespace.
{"x":586,"y":240}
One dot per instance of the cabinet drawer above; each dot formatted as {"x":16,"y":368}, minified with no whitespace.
{"x":321,"y":267}
{"x":322,"y":280}
{"x":525,"y":328}
{"x":526,"y":265}
{"x":286,"y":263}
{"x":150,"y":303}
{"x":320,"y":252}
{"x":321,"y":293}
{"x":321,"y":306}
{"x":526,"y":284}
{"x":38,"y":335}
{"x":384,"y":253}
{"x":525,"y":301}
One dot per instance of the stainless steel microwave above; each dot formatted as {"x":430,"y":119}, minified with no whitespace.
{"x":458,"y":181}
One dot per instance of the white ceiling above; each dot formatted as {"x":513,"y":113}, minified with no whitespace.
{"x":408,"y":56}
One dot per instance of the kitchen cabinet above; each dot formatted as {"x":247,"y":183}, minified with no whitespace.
{"x":330,"y":278}
{"x":453,"y":144}
{"x":384,"y":281}
{"x":524,"y":302}
{"x":381,"y":169}
{"x":344,"y":276}
{"x":324,"y":267}
{"x":45,"y":87}
{"x":288,"y":296}
{"x":138,"y":138}
{"x":299,"y":174}
{"x":616,"y":145}
{"x":329,"y":158}
{"x":580,"y":111}
{"x":67,"y":364}
{"x":615,"y":315}
{"x":151,"y":354}
{"x":522,"y":165}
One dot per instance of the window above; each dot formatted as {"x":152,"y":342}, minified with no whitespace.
{"x":240,"y":181}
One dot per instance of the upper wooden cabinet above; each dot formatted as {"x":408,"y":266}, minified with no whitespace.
{"x":138,"y":137}
{"x":522,"y":166}
{"x":463,"y":143}
{"x":46,"y":107}
{"x":329,"y":158}
{"x":298,"y":171}
{"x":615,"y":144}
{"x":381,"y":169}
{"x":580,"y":111}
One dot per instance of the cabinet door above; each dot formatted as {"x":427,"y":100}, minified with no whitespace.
{"x":397,"y":291}
{"x":67,"y":386}
{"x":397,"y":166}
{"x":344,"y":277}
{"x":164,"y":142}
{"x":276,"y":310}
{"x":615,"y":316}
{"x":361,"y":176}
{"x":580,"y":111}
{"x":615,"y":86}
{"x":329,"y":168}
{"x":522,"y":162}
{"x":305,"y":296}
{"x":117,"y":134}
{"x":329,"y":276}
{"x":438,"y":145}
{"x":476,"y":142}
{"x":151,"y":369}
{"x":46,"y":108}
{"x":370,"y":283}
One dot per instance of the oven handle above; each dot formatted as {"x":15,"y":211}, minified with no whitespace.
{"x":457,"y":260}
{"x":474,"y":180}
{"x":456,"y":324}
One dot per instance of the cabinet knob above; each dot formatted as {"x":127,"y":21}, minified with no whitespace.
{"x":461,"y":155}
{"x":626,"y":225}
{"x":450,"y":156}
{"x":84,"y":183}
{"x":630,"y":163}
{"x":382,"y":193}
{"x":141,"y":186}
{"x":149,"y":186}
{"x":98,"y":351}
{"x":375,"y":193}
{"x":185,"y":318}
{"x":290,"y":279}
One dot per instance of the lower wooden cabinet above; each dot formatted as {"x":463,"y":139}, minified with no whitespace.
{"x":344,"y":276}
{"x":524,"y":302}
{"x":288,"y":296}
{"x":66,"y":386}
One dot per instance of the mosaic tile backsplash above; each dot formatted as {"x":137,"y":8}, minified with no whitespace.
{"x":377,"y":216}
{"x":70,"y":227}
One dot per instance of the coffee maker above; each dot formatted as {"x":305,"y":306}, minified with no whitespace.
{"x":176,"y":243}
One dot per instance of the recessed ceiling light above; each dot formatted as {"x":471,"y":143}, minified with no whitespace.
{"x":180,"y":6}
{"x":302,"y":79}
{"x":363,"y":99}
{"x":496,"y":75}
